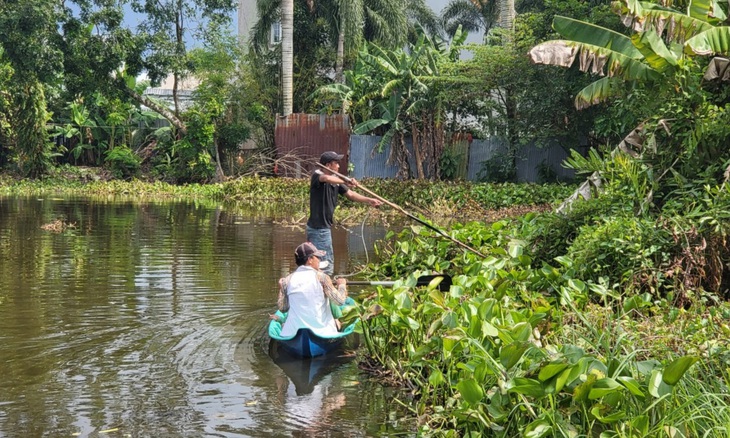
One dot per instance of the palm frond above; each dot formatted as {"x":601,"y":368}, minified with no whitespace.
{"x":268,"y":13}
{"x":462,"y":13}
{"x":421,"y":15}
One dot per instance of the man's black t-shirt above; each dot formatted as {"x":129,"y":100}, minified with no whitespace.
{"x":323,"y":201}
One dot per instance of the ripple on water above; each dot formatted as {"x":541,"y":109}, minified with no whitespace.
{"x":150,"y":320}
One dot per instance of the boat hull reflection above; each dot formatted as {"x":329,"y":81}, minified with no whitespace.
{"x":306,"y":372}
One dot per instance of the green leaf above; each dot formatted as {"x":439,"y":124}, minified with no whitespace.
{"x":577,"y":285}
{"x":481,"y":372}
{"x":631,"y":384}
{"x":130,"y":81}
{"x":596,"y":92}
{"x":573,"y":353}
{"x":449,"y":343}
{"x":511,"y":354}
{"x":412,"y":323}
{"x":551,"y":369}
{"x":587,"y":33}
{"x":434,"y":327}
{"x":675,"y":370}
{"x":607,"y":419}
{"x":655,"y":52}
{"x":657,"y":387}
{"x":450,"y":319}
{"x":641,"y":425}
{"x":515,"y":250}
{"x":437,"y":297}
{"x":525,"y":386}
{"x":369,"y":125}
{"x":645,"y":367}
{"x":562,"y":379}
{"x":538,"y":429}
{"x":707,"y":10}
{"x":521,"y":332}
{"x":581,"y":391}
{"x":603,"y":387}
{"x":470,"y":391}
{"x":489,"y":330}
{"x":434,"y":283}
{"x":488,"y":309}
{"x":436,"y":378}
{"x":711,"y":42}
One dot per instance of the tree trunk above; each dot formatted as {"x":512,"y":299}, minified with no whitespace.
{"x":220,"y":176}
{"x":175,"y":98}
{"x":340,"y":62}
{"x":417,"y":139}
{"x":287,"y":56}
{"x":399,"y":156}
{"x":512,"y":133}
{"x":180,"y":46}
{"x":437,"y":146}
{"x":506,"y":10}
{"x":163,"y":111}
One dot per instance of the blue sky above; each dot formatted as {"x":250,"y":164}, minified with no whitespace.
{"x":132,"y":19}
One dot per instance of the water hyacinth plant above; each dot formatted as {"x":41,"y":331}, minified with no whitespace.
{"x":511,"y":350}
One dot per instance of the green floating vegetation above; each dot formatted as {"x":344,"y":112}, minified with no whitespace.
{"x":519,"y":348}
{"x":288,"y":197}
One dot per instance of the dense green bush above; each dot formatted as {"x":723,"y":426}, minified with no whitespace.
{"x":628,"y":250}
{"x":122,"y":162}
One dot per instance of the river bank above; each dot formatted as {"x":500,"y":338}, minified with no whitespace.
{"x":441,"y":202}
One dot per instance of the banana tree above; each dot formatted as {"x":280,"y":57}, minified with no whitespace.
{"x":405,"y":92}
{"x":664,"y":42}
{"x":78,"y":131}
{"x":663,"y":37}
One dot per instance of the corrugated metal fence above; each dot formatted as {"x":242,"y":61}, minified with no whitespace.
{"x":531,"y":160}
{"x":308,"y":135}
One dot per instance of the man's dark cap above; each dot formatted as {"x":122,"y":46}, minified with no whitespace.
{"x":306,"y":250}
{"x":330,"y":156}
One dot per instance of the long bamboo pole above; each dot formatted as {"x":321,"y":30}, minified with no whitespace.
{"x":399,"y":208}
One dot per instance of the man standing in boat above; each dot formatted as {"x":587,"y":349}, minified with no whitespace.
{"x":324,"y":190}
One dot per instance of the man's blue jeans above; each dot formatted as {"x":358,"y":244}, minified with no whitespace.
{"x":322,"y":239}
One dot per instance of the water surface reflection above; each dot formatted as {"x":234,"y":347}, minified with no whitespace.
{"x":148,"y":319}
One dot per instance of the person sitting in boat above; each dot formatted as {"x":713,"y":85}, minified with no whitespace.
{"x":307,"y":294}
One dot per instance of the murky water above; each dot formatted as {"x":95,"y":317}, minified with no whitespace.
{"x":128,"y":319}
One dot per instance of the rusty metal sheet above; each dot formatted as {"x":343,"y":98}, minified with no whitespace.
{"x":301,"y":138}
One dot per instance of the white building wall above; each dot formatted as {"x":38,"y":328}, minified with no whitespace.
{"x":247,"y":17}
